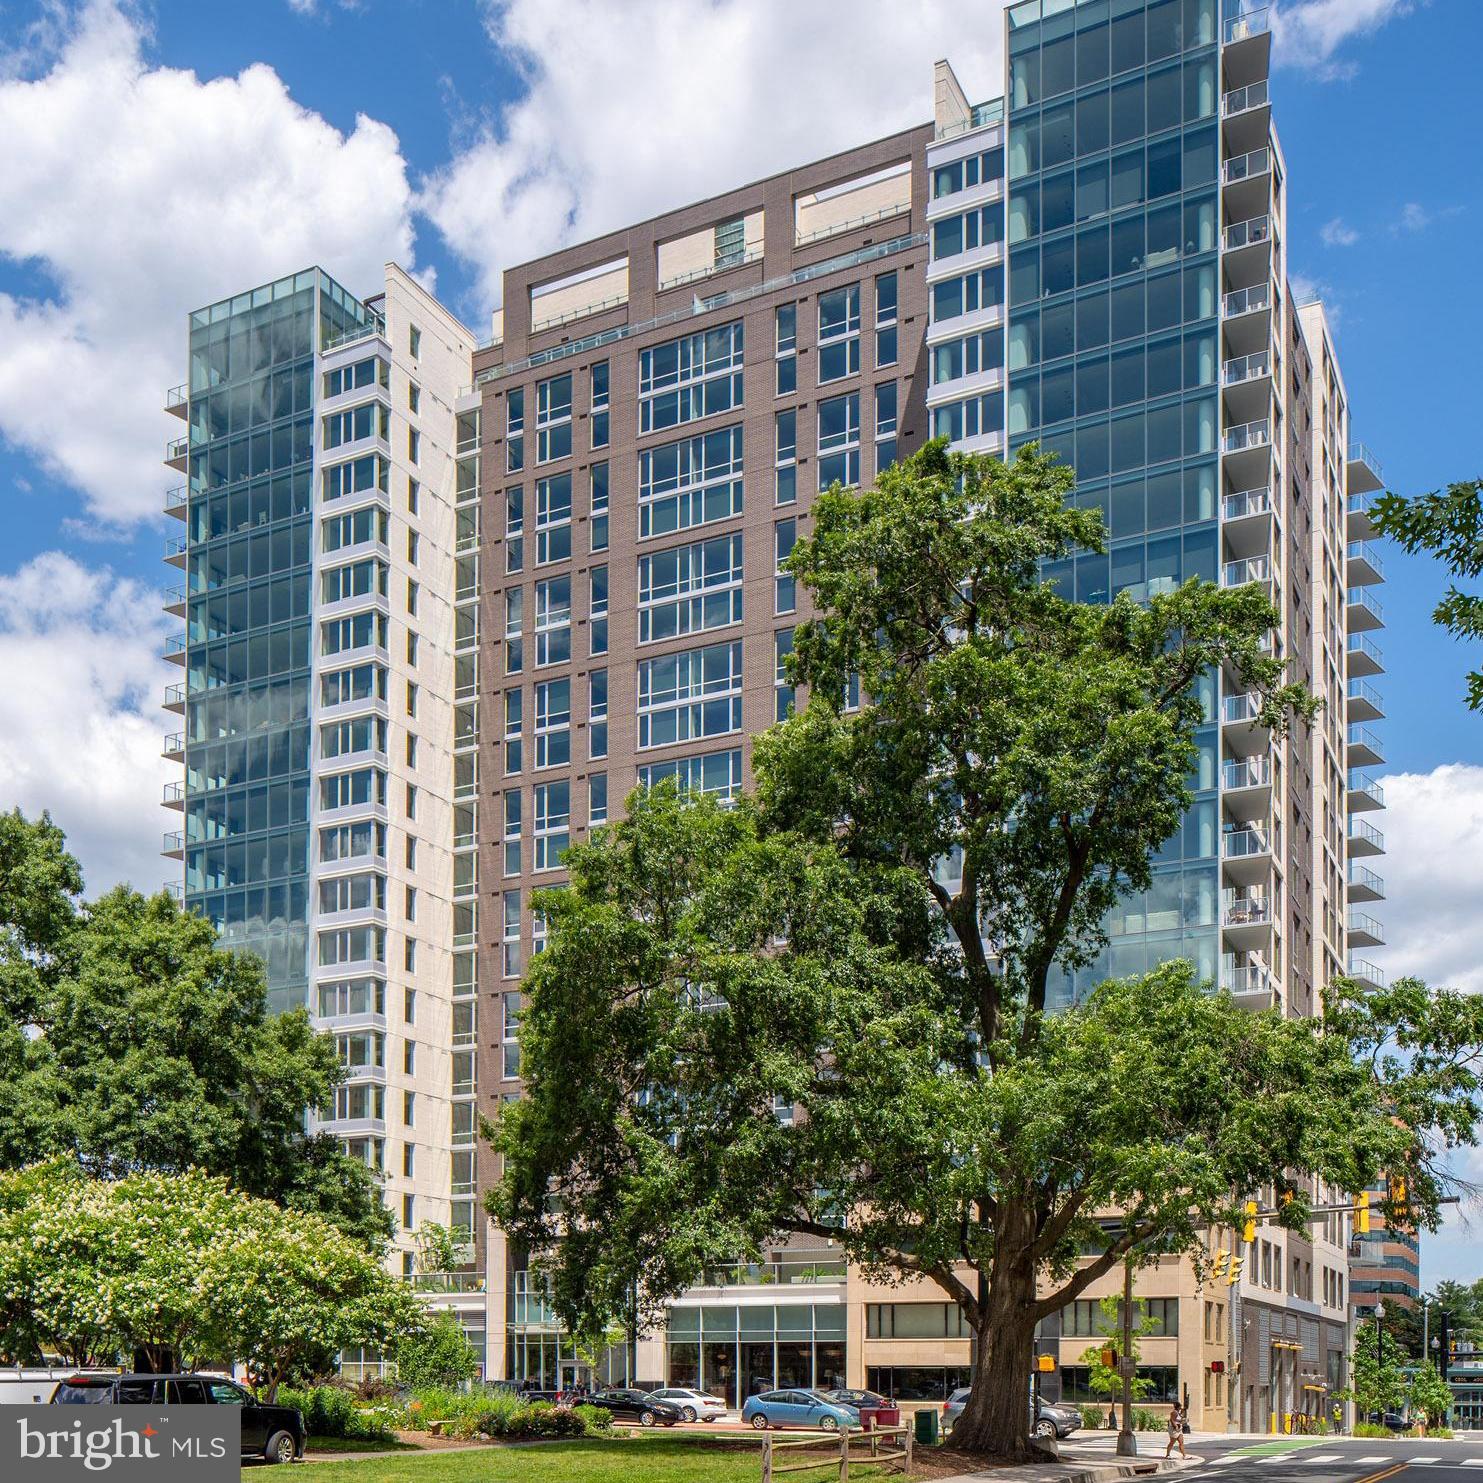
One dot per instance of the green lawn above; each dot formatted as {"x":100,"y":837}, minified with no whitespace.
{"x":654,"y":1460}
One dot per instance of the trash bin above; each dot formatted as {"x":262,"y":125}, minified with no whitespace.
{"x":924,"y":1426}
{"x":888,"y":1415}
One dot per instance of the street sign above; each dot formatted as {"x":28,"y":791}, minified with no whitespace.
{"x":1128,"y":1367}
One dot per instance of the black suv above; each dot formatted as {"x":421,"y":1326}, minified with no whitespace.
{"x":274,"y":1433}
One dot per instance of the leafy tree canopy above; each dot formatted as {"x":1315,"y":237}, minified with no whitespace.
{"x":1448,"y":525}
{"x":1430,"y":1394}
{"x":873,"y":943}
{"x":1377,"y":1383}
{"x":129,"y":1040}
{"x":436,"y":1352}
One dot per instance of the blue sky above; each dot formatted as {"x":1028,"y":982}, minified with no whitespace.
{"x":162,"y":155}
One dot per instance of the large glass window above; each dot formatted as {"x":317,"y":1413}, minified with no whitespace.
{"x":689,"y":589}
{"x":553,"y":518}
{"x":695,"y":376}
{"x":554,"y":418}
{"x":839,"y":333}
{"x":839,"y":440}
{"x":553,"y":629}
{"x":719,"y":773}
{"x":553,"y":723}
{"x":552,"y":822}
{"x":691,"y":482}
{"x":689,"y":695}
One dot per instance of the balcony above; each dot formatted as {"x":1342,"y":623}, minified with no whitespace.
{"x":174,"y":844}
{"x":1365,"y":703}
{"x":175,"y":890}
{"x":1250,"y":983}
{"x":1246,"y":36}
{"x":1240,"y":721}
{"x":1365,"y":931}
{"x":177,"y":452}
{"x":1249,"y":442}
{"x":792,"y":1269}
{"x":1363,"y":610}
{"x":1246,"y":853}
{"x":1365,"y":747}
{"x":175,"y":697}
{"x":1360,"y":511}
{"x":178,"y":400}
{"x":1246,"y":301}
{"x":1243,"y":573}
{"x":175,"y":600}
{"x":1366,"y":973}
{"x":1245,"y":917}
{"x":1364,"y":565}
{"x":173,"y":795}
{"x":1363,"y":473}
{"x":174,"y":747}
{"x":432,"y":1284}
{"x":1365,"y":792}
{"x":1246,"y":167}
{"x":175,"y":550}
{"x":175,"y":648}
{"x":1242,"y":369}
{"x":177,"y":501}
{"x":1364,"y":656}
{"x":1364,"y":884}
{"x":1364,"y":839}
{"x":1245,"y":772}
{"x":1244,"y":100}
{"x":1247,"y":505}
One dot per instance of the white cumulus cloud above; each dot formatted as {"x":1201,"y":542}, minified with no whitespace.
{"x":1336,"y":234}
{"x":137,"y":193}
{"x":1433,"y":869}
{"x":1309,"y":33}
{"x":636,"y":108}
{"x":81,"y":683}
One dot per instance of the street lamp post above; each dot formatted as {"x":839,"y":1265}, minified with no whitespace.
{"x":1379,"y":1347}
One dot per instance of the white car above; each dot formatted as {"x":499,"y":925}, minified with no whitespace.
{"x":695,"y":1405}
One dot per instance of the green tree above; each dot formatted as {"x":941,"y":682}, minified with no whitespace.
{"x":155,"y":1047}
{"x":1377,"y":1382}
{"x":1105,"y":1380}
{"x":436,"y":1352}
{"x":1430,"y":1394}
{"x":878,"y":941}
{"x":1449,"y":526}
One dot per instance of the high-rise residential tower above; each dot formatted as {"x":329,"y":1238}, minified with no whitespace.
{"x":317,"y":700}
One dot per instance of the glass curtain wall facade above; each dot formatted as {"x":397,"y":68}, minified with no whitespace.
{"x":246,"y":599}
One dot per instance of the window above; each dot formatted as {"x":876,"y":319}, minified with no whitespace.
{"x":719,"y":773}
{"x":359,"y":631}
{"x":414,"y":445}
{"x":597,"y":799}
{"x":413,"y":593}
{"x":515,"y":430}
{"x":369,"y":372}
{"x":553,"y":723}
{"x":553,"y":620}
{"x":915,"y":1321}
{"x":354,"y":529}
{"x":967,"y":294}
{"x":839,"y":333}
{"x":347,"y":789}
{"x":364,"y":734}
{"x":514,"y":724}
{"x":598,"y":377}
{"x":409,"y":1109}
{"x":359,"y":579}
{"x":982,"y":227}
{"x":410,"y":905}
{"x":354,"y":477}
{"x":599,"y":506}
{"x":552,"y":822}
{"x":729,"y":242}
{"x":352,"y":945}
{"x":962,"y":175}
{"x":513,"y":821}
{"x":514,"y":528}
{"x":692,"y":694}
{"x":355,"y":1101}
{"x":785,"y":333}
{"x":976,"y":417}
{"x":411,"y":800}
{"x":414,"y":397}
{"x":553,"y":519}
{"x":785,"y":457}
{"x":554,"y":418}
{"x":413,"y":487}
{"x":353,"y":893}
{"x":514,"y":626}
{"x":839,"y":440}
{"x":352,"y":841}
{"x":784,"y":694}
{"x":968,"y":356}
{"x":690,"y":589}
{"x":510,"y":935}
{"x":414,"y":342}
{"x":597,"y":628}
{"x":597,"y":713}
{"x":785,"y":593}
{"x":414,"y":544}
{"x":885,"y":426}
{"x":409,"y":852}
{"x":409,"y":1160}
{"x":1084,"y":1318}
{"x":695,"y":376}
{"x":352,"y":996}
{"x":412,"y":693}
{"x":691,"y":482}
{"x":412,"y":649}
{"x":885,"y":320}
{"x":509,"y":1033}
{"x":369,"y":420}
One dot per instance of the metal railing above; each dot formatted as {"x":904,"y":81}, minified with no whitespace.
{"x":175,"y":644}
{"x":173,"y":793}
{"x":1362,"y":782}
{"x":175,"y":694}
{"x":1360,"y":453}
{"x":176,"y":546}
{"x":177,"y":498}
{"x":1239,"y":573}
{"x":1246,"y":166}
{"x":599,"y":307}
{"x":750,"y":253}
{"x":174,"y":742}
{"x":1366,"y":972}
{"x":1363,"y":690}
{"x":1246,"y":300}
{"x":1243,"y":843}
{"x":446,"y":1282}
{"x":1367,"y":552}
{"x":980,"y":117}
{"x":1244,"y":27}
{"x":1244,"y":909}
{"x":1362,"y":736}
{"x":1360,"y":597}
{"x":1248,"y":502}
{"x":376,"y":326}
{"x":1361,"y":924}
{"x":177,"y":448}
{"x":1362,"y":876}
{"x":1246,"y":367}
{"x":1238,"y":708}
{"x":174,"y":839}
{"x":1256,"y":434}
{"x":1248,"y":233}
{"x":1245,"y":772}
{"x":702,"y":306}
{"x":1360,"y":830}
{"x":1361,"y":643}
{"x":885,"y":213}
{"x":1239,"y":100}
{"x":177,"y":396}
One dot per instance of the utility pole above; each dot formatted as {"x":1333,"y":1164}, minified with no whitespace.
{"x":1127,"y":1442}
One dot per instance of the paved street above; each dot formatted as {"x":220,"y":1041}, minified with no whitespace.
{"x":1331,"y":1459}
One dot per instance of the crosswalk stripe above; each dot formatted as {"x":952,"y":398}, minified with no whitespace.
{"x":1380,"y":1458}
{"x":1472,"y":1462}
{"x":1322,"y":1457}
{"x":1422,"y":1461}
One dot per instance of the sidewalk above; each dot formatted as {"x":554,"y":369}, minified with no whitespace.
{"x":1083,"y":1465}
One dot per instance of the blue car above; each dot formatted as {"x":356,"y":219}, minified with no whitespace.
{"x":797,"y":1408}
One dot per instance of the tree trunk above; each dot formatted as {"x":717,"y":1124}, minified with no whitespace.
{"x":997,"y":1417}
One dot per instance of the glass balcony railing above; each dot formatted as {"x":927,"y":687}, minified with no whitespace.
{"x":1247,"y":503}
{"x":1243,"y":844}
{"x":173,"y":793}
{"x":1242,"y":100}
{"x":174,"y":742}
{"x":1246,"y":300}
{"x":785,"y":1271}
{"x":1360,"y":453}
{"x":446,"y":1282}
{"x":174,"y":841}
{"x":1245,"y":26}
{"x":174,"y":644}
{"x":1248,"y":233}
{"x":177,"y":448}
{"x":1365,"y":834}
{"x":1239,"y":573}
{"x":175,"y":694}
{"x":1247,"y":978}
{"x":1366,"y":554}
{"x":1361,"y":643}
{"x":1249,"y":435}
{"x":1362,"y":782}
{"x":176,"y":546}
{"x":1366,"y":972}
{"x":1245,"y":772}
{"x":178,"y":396}
{"x":1366,"y":739}
{"x":1244,"y":909}
{"x":177,"y":498}
{"x":1235,"y":709}
{"x":1364,"y":694}
{"x":1246,"y":166}
{"x":1246,"y":368}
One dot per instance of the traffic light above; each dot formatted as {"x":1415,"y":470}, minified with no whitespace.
{"x":1238,"y":1265}
{"x":1398,"y":1199}
{"x":1218,"y":1267}
{"x":1362,"y":1212}
{"x":1109,"y":1357}
{"x":1248,"y":1229}
{"x":1045,"y":1363}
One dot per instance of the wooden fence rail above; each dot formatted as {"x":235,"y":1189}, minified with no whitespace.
{"x":891,"y":1445}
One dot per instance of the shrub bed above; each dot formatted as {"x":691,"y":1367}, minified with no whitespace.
{"x":331,"y":1411}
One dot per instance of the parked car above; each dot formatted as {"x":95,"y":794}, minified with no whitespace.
{"x":856,"y":1398}
{"x":797,"y":1408}
{"x":635,"y":1405}
{"x":1050,"y":1420}
{"x":274,"y":1433}
{"x":695,"y":1405}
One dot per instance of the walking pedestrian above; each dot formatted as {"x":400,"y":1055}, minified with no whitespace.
{"x":1176,"y":1430}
